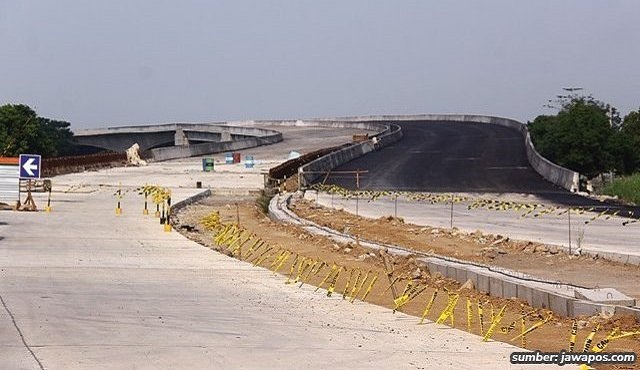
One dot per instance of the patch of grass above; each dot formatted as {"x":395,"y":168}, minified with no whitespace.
{"x":626,"y":188}
{"x":263,"y":202}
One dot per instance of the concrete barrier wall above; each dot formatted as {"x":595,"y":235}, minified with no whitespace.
{"x":387,"y":135}
{"x":174,"y":152}
{"x":190,"y":200}
{"x":170,"y":127}
{"x":558,"y":175}
{"x":371,"y":125}
{"x":552,"y":172}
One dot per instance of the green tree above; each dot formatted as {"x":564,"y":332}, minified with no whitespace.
{"x":630,"y":138}
{"x":22,"y":131}
{"x":579,"y":137}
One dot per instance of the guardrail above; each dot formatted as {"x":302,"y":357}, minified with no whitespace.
{"x":388,"y":134}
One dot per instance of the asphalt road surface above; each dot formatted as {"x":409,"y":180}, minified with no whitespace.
{"x":457,"y":157}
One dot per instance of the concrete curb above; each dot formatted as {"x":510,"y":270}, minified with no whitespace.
{"x":557,"y":297}
{"x":190,"y":200}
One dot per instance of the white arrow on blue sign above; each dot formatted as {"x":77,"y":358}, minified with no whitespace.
{"x":29,"y":166}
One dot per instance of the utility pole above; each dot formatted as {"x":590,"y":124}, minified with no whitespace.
{"x":452,"y":211}
{"x":357,"y":189}
{"x":569,"y":217}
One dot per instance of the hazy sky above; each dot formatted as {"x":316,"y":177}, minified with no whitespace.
{"x":104,"y":63}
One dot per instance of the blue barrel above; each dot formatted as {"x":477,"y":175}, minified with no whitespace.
{"x":207,"y":164}
{"x":248,"y":161}
{"x":228,"y":158}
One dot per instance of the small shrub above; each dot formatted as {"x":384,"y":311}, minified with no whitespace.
{"x":626,"y":188}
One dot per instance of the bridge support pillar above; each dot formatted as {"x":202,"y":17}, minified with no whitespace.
{"x":225,"y":135}
{"x":180,"y":137}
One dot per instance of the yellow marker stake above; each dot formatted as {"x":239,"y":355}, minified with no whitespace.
{"x":222,"y":234}
{"x":364,"y":280}
{"x":406,"y":288}
{"x":402,"y":299}
{"x":469,"y":315}
{"x":252,"y":248}
{"x":429,"y":305}
{"x":366,"y":293}
{"x":411,"y":294}
{"x":261,"y":243}
{"x":333,"y":269}
{"x":238,"y":248}
{"x":333,"y":282}
{"x":235,"y":239}
{"x":355,"y":284}
{"x":448,"y":311}
{"x":258,"y":259}
{"x":277,"y":260}
{"x":480,"y":317}
{"x":293,"y":267}
{"x":306,"y":277}
{"x":494,"y":323}
{"x":230,"y":236}
{"x":238,"y":243}
{"x":320,"y":267}
{"x":286,"y":257}
{"x":523,"y":326}
{"x":589,"y":340}
{"x":302,"y":268}
{"x":309,"y":262}
{"x":532,"y":328}
{"x":603,"y":343}
{"x":624,"y":335}
{"x":390,"y":285}
{"x":261,"y":260}
{"x":346,"y":287}
{"x":574,"y":334}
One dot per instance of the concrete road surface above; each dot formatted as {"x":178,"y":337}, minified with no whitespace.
{"x":84,"y":289}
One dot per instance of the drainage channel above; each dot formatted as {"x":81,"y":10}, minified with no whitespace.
{"x":564,"y":299}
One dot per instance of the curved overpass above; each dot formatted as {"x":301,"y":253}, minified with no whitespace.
{"x":476,"y":154}
{"x":444,"y":156}
{"x":118,"y":139}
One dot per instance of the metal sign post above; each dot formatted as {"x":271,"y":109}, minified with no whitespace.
{"x":29,"y":167}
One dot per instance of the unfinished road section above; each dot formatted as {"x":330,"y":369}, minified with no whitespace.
{"x":463,"y":157}
{"x":84,"y":289}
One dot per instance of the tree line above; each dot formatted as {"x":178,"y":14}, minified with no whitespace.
{"x":23,"y":131}
{"x":588,"y":136}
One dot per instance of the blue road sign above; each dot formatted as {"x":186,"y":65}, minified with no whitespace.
{"x":29,"y":166}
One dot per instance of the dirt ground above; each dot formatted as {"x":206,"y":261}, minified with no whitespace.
{"x":548,"y":262}
{"x":360,"y":262}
